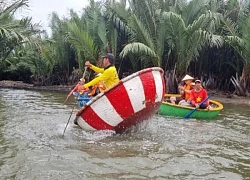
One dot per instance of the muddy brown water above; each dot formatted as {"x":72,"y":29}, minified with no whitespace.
{"x":32,"y":146}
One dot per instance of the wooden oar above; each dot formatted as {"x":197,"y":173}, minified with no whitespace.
{"x":69,"y":119}
{"x":74,"y":104}
{"x":189,"y":114}
{"x":85,"y":69}
{"x":70,"y":94}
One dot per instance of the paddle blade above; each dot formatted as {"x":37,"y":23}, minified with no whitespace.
{"x":190,"y":113}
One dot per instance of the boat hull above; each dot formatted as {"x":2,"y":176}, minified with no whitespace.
{"x":134,"y":99}
{"x":169,"y":109}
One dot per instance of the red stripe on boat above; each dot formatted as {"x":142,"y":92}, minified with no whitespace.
{"x":120,"y":101}
{"x":94,"y":120}
{"x":139,"y":116}
{"x":148,"y":83}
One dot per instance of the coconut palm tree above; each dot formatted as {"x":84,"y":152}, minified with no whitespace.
{"x":241,"y":43}
{"x":91,"y":34}
{"x":236,"y":29}
{"x":173,"y":31}
{"x":14,"y":33}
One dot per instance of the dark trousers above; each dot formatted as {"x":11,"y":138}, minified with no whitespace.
{"x":203,"y":106}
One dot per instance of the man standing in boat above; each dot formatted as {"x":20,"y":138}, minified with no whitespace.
{"x":108,"y":74}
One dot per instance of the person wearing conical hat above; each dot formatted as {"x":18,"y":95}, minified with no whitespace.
{"x":184,"y":90}
{"x":187,"y":77}
{"x":187,"y":100}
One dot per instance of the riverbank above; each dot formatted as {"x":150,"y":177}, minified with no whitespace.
{"x":217,"y":95}
{"x":21,"y":85}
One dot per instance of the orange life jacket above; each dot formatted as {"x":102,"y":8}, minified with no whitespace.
{"x":186,"y":96}
{"x":101,"y":86}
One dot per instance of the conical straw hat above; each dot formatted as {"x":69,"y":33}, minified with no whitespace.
{"x":187,"y":77}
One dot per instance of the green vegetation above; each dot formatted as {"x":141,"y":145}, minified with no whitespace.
{"x":208,"y":39}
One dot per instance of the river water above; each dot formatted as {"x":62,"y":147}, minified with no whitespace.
{"x":32,"y":146}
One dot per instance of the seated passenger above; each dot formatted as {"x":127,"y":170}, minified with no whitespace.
{"x":84,"y":95}
{"x":78,"y":91}
{"x":197,"y":95}
{"x":184,"y":102}
{"x":184,"y":90}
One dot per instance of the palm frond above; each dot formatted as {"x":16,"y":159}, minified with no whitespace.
{"x":214,"y":40}
{"x":142,"y":33}
{"x":230,"y":28}
{"x":208,"y":22}
{"x":82,"y":41}
{"x":245,"y":35}
{"x":193,"y":10}
{"x":139,"y":49}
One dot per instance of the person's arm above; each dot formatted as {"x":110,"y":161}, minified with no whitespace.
{"x":187,"y":91}
{"x":94,"y":68}
{"x":207,"y":102}
{"x":205,"y":96}
{"x":182,"y":92}
{"x":73,"y":90}
{"x":103,"y":77}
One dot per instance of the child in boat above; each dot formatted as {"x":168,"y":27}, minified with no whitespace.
{"x":88,"y":94}
{"x":197,"y":95}
{"x":80,"y":92}
{"x":184,"y":90}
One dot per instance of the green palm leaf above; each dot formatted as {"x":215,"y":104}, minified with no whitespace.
{"x":140,"y":49}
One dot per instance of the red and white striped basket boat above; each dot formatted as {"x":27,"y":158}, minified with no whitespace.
{"x":134,"y":99}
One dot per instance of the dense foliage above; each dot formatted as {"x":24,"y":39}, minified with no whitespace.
{"x":208,"y":39}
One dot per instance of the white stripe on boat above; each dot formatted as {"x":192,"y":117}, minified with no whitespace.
{"x":158,"y":85}
{"x":106,"y":111}
{"x":84,"y":125}
{"x":136,"y":94}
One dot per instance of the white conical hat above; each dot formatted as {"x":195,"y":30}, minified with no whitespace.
{"x":187,"y":77}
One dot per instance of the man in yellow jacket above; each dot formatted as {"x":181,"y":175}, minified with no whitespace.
{"x":109,"y":74}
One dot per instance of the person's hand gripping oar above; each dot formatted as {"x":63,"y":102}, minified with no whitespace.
{"x":74,"y":103}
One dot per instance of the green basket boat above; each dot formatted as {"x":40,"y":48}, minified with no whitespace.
{"x":169,"y":109}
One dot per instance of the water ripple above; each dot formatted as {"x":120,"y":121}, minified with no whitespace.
{"x":32,"y":146}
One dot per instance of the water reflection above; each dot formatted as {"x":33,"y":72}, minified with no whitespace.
{"x":32,"y":146}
